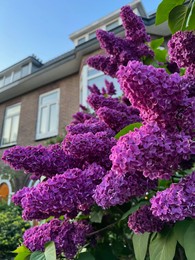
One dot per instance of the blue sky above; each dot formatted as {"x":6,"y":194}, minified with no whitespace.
{"x":42,"y":27}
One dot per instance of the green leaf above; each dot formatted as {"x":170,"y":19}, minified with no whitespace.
{"x":50,"y":251}
{"x":133,"y":209}
{"x":180,"y":230}
{"x":190,"y":24}
{"x":21,"y":249}
{"x":178,"y":18}
{"x":127,"y":129}
{"x":189,"y":241}
{"x":37,"y":255}
{"x":165,"y":8}
{"x":22,"y":256}
{"x":96,"y":217}
{"x":154,"y":44}
{"x":163,"y":246}
{"x":86,"y":256}
{"x":140,"y":245}
{"x":161,"y":55}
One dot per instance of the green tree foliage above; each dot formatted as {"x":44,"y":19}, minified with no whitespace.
{"x":12,"y":228}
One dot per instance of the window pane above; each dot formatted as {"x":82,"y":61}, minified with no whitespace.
{"x":53,"y":118}
{"x":100,"y":82}
{"x":92,"y":72}
{"x":1,"y":82}
{"x":25,"y":70}
{"x":13,"y":110}
{"x":14,"y":129}
{"x":7,"y":80}
{"x":6,"y":131}
{"x":81,"y":40}
{"x":50,"y":98}
{"x":43,"y":120}
{"x":16,"y":75}
{"x":112,"y":25}
{"x":11,"y":124}
{"x":92,"y":35}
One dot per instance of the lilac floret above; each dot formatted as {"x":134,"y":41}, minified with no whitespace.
{"x":117,"y":189}
{"x":66,"y":193}
{"x":144,"y":221}
{"x":68,"y":237}
{"x":89,"y":147}
{"x":135,"y":30}
{"x":160,"y":97}
{"x":93,"y":125}
{"x":19,"y":195}
{"x":39,"y":160}
{"x":181,"y":48}
{"x":177,"y":202}
{"x":148,"y":148}
{"x":116,"y":120}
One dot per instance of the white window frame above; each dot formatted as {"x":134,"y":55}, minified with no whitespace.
{"x":5,"y":118}
{"x":57,"y":102}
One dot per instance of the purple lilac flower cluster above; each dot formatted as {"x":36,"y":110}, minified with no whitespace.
{"x":182,"y":48}
{"x":117,"y":189}
{"x":116,"y":115}
{"x":147,"y":149}
{"x":143,"y":221}
{"x":68,"y":237}
{"x":39,"y":160}
{"x":66,"y":193}
{"x":118,"y":50}
{"x":160,"y":97}
{"x":177,"y":202}
{"x":89,"y":147}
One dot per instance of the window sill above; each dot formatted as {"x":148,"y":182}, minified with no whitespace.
{"x":46,"y":136}
{"x":3,"y":146}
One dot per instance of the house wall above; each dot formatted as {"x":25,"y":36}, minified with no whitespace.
{"x":69,"y":104}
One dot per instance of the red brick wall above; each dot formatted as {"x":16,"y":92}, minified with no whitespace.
{"x":69,"y":104}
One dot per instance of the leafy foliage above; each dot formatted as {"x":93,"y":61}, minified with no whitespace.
{"x":12,"y":228}
{"x":180,"y":17}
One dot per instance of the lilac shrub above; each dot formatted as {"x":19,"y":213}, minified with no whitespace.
{"x":95,"y":176}
{"x":68,"y":237}
{"x":177,"y":202}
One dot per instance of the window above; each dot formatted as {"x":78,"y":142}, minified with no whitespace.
{"x":25,"y":70}
{"x":112,"y":25}
{"x":11,"y":124}
{"x":48,"y":113}
{"x":1,"y":82}
{"x":16,"y":75}
{"x":7,"y":80}
{"x":91,"y":76}
{"x":92,"y":35}
{"x":81,"y":40}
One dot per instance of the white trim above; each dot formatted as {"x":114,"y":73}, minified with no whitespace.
{"x":4,"y":120}
{"x":57,"y":102}
{"x":33,"y":183}
{"x":10,"y":189}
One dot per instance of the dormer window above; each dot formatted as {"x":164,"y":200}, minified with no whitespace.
{"x":81,"y":40}
{"x":17,"y":75}
{"x":112,"y":25}
{"x":25,"y":70}
{"x":7,"y":79}
{"x":1,"y":81}
{"x":92,"y":35}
